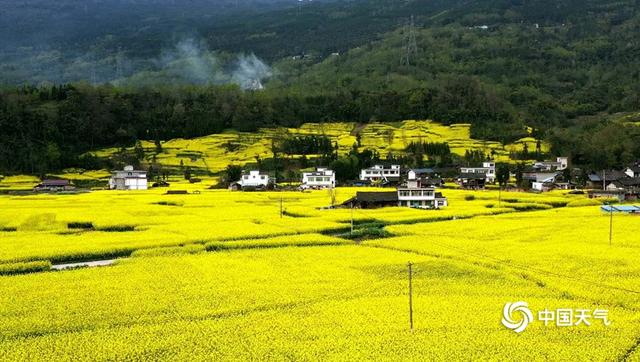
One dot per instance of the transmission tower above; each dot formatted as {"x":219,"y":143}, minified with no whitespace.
{"x":409,"y":44}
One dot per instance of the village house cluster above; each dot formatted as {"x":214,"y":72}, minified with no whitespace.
{"x":619,"y":184}
{"x":543,"y":176}
{"x":415,"y":188}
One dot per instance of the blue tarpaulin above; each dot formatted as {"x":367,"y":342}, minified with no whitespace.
{"x":629,"y":209}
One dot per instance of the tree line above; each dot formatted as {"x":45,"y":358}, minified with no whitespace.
{"x":46,"y":129}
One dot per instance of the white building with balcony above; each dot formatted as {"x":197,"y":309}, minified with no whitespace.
{"x":381,"y":173}
{"x":488,"y":169}
{"x":254,"y":179}
{"x":321,"y":178}
{"x":128,"y":179}
{"x":422,"y":198}
{"x":561,"y":163}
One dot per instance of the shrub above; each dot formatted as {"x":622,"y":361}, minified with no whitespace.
{"x":489,"y":206}
{"x":25,"y":267}
{"x":368,"y":233}
{"x":168,"y":203}
{"x":556,"y":203}
{"x":293,"y":214}
{"x":469,"y":197}
{"x":531,"y":206}
{"x":80,"y":225}
{"x":117,"y":228}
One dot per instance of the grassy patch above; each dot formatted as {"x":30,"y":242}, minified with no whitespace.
{"x":24,"y":267}
{"x":274,"y":243}
{"x":367,"y":233}
{"x":169,"y":251}
{"x":584,"y":202}
{"x":117,"y":228}
{"x":92,"y":256}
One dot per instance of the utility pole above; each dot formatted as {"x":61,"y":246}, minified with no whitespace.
{"x":352,"y":218}
{"x":499,"y":195}
{"x":610,"y":223}
{"x":410,"y":297}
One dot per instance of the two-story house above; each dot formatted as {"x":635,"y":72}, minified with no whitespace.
{"x":379,"y":173}
{"x":128,"y":179}
{"x":321,"y":178}
{"x":488,"y":170}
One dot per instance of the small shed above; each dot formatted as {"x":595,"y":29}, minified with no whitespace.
{"x":472,"y":180}
{"x":53,"y":186}
{"x":373,"y":199}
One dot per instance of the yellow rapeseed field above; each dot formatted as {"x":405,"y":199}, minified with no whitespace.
{"x":221,"y":275}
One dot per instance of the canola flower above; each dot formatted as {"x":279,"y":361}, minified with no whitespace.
{"x":222,"y":276}
{"x":336,"y":303}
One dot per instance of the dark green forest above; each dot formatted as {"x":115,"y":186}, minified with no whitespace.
{"x":568,"y":69}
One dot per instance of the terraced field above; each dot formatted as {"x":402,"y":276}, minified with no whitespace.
{"x":213,"y":153}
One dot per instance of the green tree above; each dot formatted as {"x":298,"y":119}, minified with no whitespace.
{"x":502,"y":174}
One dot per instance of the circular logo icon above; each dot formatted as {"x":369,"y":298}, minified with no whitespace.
{"x":516,"y":316}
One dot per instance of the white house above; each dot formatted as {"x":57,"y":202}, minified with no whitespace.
{"x":254,"y":179}
{"x":561,"y":163}
{"x":420,"y":197}
{"x":128,"y":179}
{"x":320,"y":178}
{"x":488,"y":169}
{"x":542,"y":181}
{"x":415,"y":194}
{"x":380,"y":173}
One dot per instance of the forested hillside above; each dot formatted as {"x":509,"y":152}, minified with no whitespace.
{"x":569,"y":71}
